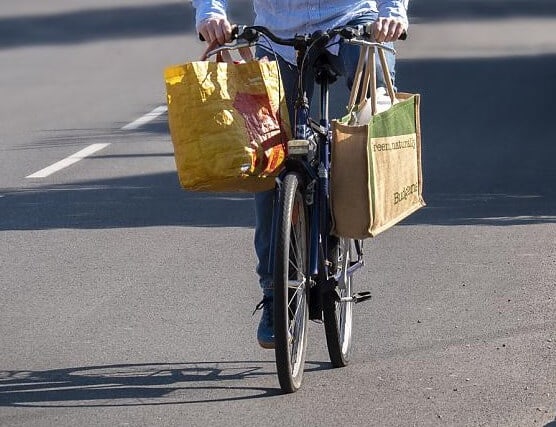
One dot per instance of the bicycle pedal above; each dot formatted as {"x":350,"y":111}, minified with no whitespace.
{"x":361,"y":296}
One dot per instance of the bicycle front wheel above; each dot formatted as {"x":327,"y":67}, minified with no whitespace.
{"x":338,"y":314}
{"x":291,"y":283}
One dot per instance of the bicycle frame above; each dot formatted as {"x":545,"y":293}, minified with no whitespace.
{"x":316,"y":184}
{"x":314,"y":284}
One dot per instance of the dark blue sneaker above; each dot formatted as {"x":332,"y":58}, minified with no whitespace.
{"x":265,"y":331}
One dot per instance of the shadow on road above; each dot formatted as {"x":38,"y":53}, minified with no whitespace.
{"x":139,"y":384}
{"x":488,"y":158}
{"x":135,"y":201}
{"x":96,"y":24}
{"x":488,"y":151}
{"x":104,"y":24}
{"x":157,"y":200}
{"x":486,"y":124}
{"x":488,"y":155}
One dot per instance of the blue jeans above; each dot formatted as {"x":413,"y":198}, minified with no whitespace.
{"x":346,"y":63}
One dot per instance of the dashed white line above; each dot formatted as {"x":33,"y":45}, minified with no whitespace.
{"x":70,"y":160}
{"x":93,"y":148}
{"x":158,"y":111}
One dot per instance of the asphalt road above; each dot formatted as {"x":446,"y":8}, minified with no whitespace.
{"x":127,"y":301}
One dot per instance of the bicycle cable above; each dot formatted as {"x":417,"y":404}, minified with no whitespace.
{"x":305,"y":57}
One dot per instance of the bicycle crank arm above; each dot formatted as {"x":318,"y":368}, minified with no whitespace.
{"x":354,"y":266}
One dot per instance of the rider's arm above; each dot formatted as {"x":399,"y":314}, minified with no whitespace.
{"x":211,"y":19}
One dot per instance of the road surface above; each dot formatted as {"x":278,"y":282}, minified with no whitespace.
{"x":127,"y":301}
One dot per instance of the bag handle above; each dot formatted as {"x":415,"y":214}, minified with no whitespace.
{"x":224,"y":55}
{"x":360,"y":92}
{"x":370,"y":80}
{"x":357,"y":77}
{"x":387,"y":76}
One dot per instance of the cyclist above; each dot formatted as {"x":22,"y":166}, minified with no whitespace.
{"x":286,"y":18}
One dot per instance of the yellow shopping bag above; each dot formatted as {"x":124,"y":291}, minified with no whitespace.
{"x":229,"y":124}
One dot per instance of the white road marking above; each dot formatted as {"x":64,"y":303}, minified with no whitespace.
{"x":93,"y":148}
{"x":70,"y":160}
{"x":158,"y":111}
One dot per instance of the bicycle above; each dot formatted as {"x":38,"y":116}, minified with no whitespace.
{"x":313,"y":270}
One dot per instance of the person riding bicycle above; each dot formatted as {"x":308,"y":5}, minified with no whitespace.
{"x":286,"y":18}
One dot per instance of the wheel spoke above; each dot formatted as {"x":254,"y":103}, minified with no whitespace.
{"x":297,"y":306}
{"x":338,"y":314}
{"x":296,"y":330}
{"x":296,"y":243}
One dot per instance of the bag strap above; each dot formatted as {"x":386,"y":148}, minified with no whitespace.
{"x":370,"y":80}
{"x":365,"y":82}
{"x":357,"y":77}
{"x":387,"y":76}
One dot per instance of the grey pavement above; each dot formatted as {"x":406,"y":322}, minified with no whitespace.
{"x":127,"y":301}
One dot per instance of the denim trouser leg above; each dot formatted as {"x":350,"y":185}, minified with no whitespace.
{"x":264,"y":201}
{"x":346,"y":62}
{"x":264,"y":205}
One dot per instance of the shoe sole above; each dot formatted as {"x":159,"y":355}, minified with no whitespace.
{"x":267,"y":345}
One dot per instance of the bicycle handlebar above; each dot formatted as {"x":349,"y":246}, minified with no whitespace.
{"x":251,"y":34}
{"x":358,"y":34}
{"x":299,"y":41}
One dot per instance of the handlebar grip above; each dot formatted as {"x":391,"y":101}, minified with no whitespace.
{"x":201,"y":38}
{"x":403,"y":36}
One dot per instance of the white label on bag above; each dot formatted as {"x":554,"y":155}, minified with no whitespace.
{"x":383,"y":103}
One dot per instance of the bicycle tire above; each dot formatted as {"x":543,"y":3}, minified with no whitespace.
{"x":338,"y":315}
{"x":291,"y":283}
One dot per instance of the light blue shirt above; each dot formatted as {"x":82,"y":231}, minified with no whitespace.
{"x":289,"y":17}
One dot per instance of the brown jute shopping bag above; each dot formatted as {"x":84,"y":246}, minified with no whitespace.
{"x":376,"y":176}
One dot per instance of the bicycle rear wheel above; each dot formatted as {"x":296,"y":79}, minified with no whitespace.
{"x":338,"y":314}
{"x":291,"y":282}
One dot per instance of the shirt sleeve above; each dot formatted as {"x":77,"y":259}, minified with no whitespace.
{"x":209,"y":9}
{"x":394,"y":9}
